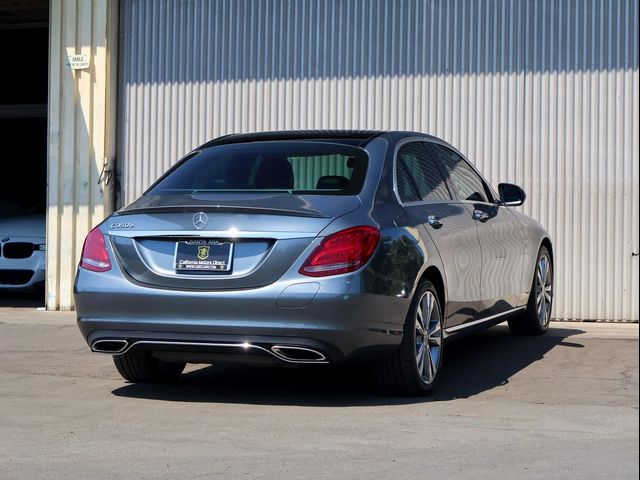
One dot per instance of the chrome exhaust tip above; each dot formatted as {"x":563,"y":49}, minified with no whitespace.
{"x":113,"y":347}
{"x":298,"y":354}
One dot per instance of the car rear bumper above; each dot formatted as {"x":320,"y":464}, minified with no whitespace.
{"x":211,"y":348}
{"x":334,"y":318}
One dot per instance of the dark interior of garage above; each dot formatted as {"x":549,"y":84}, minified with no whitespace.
{"x":24,"y":39}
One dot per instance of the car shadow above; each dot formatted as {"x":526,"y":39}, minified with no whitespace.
{"x":473,"y":365}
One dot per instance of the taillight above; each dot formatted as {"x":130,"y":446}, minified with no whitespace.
{"x":94,"y":252}
{"x":342,"y":252}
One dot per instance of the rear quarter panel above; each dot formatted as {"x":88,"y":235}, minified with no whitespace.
{"x":533,"y":236}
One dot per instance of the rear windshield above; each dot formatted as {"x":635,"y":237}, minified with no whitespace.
{"x":312,"y":168}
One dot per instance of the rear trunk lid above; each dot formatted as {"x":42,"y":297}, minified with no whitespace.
{"x":268,"y":233}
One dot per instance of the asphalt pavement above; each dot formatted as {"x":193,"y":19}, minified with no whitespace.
{"x":564,"y":405}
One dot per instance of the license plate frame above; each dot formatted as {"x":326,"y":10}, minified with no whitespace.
{"x":203,"y":256}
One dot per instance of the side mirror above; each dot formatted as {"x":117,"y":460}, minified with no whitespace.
{"x":511,"y":195}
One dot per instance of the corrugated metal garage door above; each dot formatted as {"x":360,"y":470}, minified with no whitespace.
{"x":543,"y":94}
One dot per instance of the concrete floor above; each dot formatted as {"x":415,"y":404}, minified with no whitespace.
{"x":560,"y":406}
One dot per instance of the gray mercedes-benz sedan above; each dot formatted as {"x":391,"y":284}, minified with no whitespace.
{"x":312,"y":247}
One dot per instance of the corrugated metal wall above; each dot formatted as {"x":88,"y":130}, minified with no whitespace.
{"x":540,"y":93}
{"x":81,"y":134}
{"x":308,"y":170}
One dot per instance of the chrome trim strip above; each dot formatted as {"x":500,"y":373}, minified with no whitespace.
{"x":481,"y":320}
{"x":214,"y":234}
{"x":276,"y":349}
{"x":245,"y":346}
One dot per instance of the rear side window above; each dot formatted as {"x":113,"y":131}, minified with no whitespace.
{"x":466,"y":183}
{"x":418,"y":177}
{"x":312,"y":168}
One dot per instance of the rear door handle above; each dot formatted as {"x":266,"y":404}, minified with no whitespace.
{"x":480,"y":216}
{"x":434,"y":221}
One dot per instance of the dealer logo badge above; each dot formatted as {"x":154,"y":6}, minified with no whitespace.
{"x":200,"y":220}
{"x":203,"y":252}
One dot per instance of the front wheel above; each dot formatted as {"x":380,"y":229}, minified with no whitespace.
{"x":536,"y":317}
{"x":142,"y":367}
{"x":414,"y":368}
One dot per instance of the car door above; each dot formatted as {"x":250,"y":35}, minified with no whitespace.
{"x":428,"y":203}
{"x":499,"y":234}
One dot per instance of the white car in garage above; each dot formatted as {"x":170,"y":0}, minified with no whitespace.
{"x":22,"y":248}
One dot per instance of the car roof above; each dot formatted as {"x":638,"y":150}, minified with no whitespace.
{"x":359,"y":137}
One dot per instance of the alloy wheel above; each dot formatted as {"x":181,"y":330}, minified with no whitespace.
{"x":428,"y":337}
{"x":544,"y":290}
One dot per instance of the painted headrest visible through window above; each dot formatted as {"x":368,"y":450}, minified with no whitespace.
{"x":274,"y":173}
{"x":239,"y":171}
{"x":332,"y":182}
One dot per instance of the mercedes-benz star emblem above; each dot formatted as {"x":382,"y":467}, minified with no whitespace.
{"x":200,"y":220}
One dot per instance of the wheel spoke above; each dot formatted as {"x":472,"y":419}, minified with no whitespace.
{"x":548,"y":292}
{"x":432,"y":365}
{"x":435,"y":332}
{"x":420,"y":328}
{"x":547,"y":271}
{"x":429,"y":304}
{"x":539,"y":307}
{"x":543,"y":312}
{"x":429,"y":365}
{"x":433,"y":325}
{"x":420,"y":358}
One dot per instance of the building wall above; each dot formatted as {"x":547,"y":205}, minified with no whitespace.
{"x":81,"y":135}
{"x":540,"y":93}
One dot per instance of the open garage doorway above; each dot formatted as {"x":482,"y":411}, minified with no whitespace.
{"x":24,"y":36}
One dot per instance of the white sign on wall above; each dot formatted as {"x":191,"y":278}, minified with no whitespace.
{"x":77,"y":62}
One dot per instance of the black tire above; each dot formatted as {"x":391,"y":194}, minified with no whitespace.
{"x":400,"y":373}
{"x":530,"y":322}
{"x":142,"y":367}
